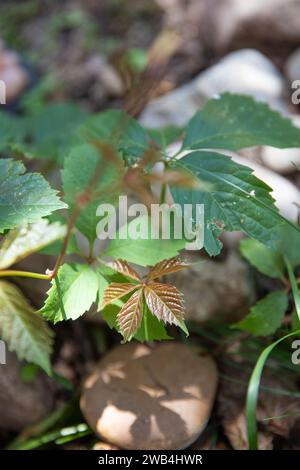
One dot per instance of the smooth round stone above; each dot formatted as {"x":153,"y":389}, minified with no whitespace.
{"x":13,"y":75}
{"x":142,"y":397}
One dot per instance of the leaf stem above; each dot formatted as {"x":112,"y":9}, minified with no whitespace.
{"x":70,"y":226}
{"x":14,"y":273}
{"x":163,"y":192}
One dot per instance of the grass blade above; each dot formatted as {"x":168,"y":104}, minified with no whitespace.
{"x":294,"y":285}
{"x":253,"y":389}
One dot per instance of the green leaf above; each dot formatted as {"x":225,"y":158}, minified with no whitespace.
{"x":55,"y":248}
{"x":24,"y":198}
{"x":295,"y":321}
{"x":12,"y":130}
{"x":271,"y":261}
{"x":77,"y":181}
{"x":233,"y":122}
{"x":142,"y":250}
{"x":165,"y":136}
{"x":289,"y":244}
{"x":234,"y":200}
{"x":137,"y":59}
{"x":27,"y":239}
{"x":22,"y":329}
{"x":79,"y":287}
{"x":102,"y":285}
{"x":264,"y":259}
{"x":29,"y":372}
{"x":151,"y":328}
{"x":266,"y":316}
{"x":52,"y":131}
{"x":116,"y":128}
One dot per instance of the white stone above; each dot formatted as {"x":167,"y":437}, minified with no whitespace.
{"x":175,"y":108}
{"x":292,"y":66}
{"x":246,"y":71}
{"x":12,"y":74}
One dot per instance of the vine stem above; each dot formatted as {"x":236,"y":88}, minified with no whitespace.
{"x":81,"y":202}
{"x":163,"y":191}
{"x":14,"y":273}
{"x":60,"y":259}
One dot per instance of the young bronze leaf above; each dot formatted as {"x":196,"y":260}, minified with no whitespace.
{"x":115,"y":291}
{"x":130,"y":316}
{"x":165,"y":302}
{"x":167,"y":266}
{"x":123,"y":267}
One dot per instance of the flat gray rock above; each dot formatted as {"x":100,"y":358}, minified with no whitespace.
{"x":141,"y":397}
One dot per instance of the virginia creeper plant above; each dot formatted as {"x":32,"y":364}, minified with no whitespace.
{"x":101,"y":157}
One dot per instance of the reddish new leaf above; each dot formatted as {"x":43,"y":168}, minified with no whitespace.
{"x":165,"y":302}
{"x":167,"y":266}
{"x":115,"y":291}
{"x":124,"y":268}
{"x":130,"y":316}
